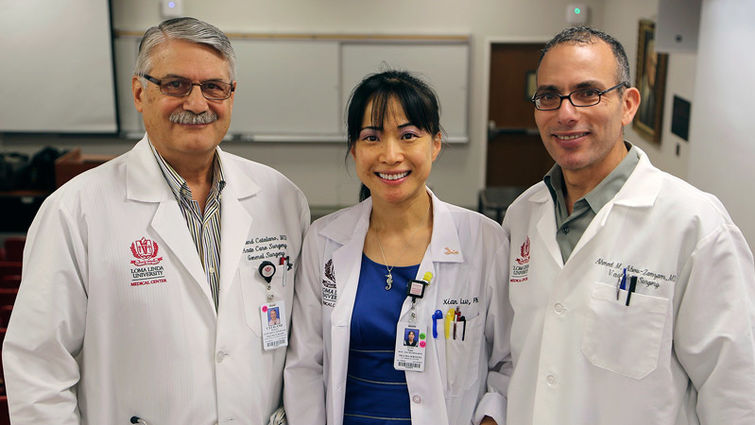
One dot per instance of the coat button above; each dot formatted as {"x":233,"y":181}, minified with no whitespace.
{"x":220,"y":356}
{"x":559,"y":308}
{"x":551,"y":379}
{"x":417,"y":398}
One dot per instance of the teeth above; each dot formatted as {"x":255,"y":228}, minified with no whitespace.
{"x":393,"y":176}
{"x":572,"y":137}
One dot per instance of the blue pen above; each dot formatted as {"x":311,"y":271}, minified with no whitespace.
{"x":621,"y":283}
{"x":437,"y":315}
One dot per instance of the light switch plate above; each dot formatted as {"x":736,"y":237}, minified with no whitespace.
{"x":172,"y":8}
{"x":577,"y":14}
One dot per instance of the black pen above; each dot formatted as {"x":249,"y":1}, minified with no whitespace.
{"x":632,"y":286}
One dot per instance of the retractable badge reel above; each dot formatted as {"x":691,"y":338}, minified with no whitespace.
{"x":267,"y":271}
{"x":411,"y":336}
{"x":272,"y":314}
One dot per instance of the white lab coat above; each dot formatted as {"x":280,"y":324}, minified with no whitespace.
{"x":90,"y":343}
{"x":463,"y":257}
{"x":681,"y":353}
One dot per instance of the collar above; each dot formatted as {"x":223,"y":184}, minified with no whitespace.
{"x":640,"y":190}
{"x":354,"y":222}
{"x":178,"y":184}
{"x":601,"y":194}
{"x":143,"y":175}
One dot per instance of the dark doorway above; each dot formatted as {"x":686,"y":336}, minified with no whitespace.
{"x":516,"y":156}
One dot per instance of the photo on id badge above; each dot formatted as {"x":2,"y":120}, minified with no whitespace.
{"x":274,"y":329}
{"x":411,"y":337}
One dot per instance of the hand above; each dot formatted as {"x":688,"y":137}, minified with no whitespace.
{"x":487,"y":420}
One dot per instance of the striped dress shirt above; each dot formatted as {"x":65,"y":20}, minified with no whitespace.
{"x":204,"y":228}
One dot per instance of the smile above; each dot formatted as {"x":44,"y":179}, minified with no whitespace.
{"x":393,"y":176}
{"x":570,"y":137}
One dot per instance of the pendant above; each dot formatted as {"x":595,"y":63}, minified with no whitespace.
{"x":388,"y":281}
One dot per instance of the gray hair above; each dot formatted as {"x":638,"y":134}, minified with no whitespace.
{"x":587,"y":35}
{"x":188,"y":29}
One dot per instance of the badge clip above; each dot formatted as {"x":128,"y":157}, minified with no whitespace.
{"x":267,"y":271}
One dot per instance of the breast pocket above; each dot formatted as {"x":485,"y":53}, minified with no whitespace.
{"x":620,"y":338}
{"x":463,"y":355}
{"x":254,"y":292}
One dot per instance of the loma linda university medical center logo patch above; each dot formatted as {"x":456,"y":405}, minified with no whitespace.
{"x":147,"y":269}
{"x":329,"y":294}
{"x":520,"y":268}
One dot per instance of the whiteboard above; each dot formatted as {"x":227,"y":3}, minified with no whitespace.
{"x":296,"y":90}
{"x":286,"y":87}
{"x":443,"y":67}
{"x":57,"y":68}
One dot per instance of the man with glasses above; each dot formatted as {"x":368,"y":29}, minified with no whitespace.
{"x":632,"y":291}
{"x":146,"y":280}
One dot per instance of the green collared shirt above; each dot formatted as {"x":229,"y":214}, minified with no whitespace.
{"x":204,"y":228}
{"x":570,"y":228}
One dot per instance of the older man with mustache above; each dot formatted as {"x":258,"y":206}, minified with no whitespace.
{"x":146,"y":279}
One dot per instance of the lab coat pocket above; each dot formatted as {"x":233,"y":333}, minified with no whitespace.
{"x":620,"y":338}
{"x":463,"y":355}
{"x":253,"y":291}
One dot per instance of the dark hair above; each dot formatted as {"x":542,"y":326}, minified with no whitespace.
{"x":417,"y":99}
{"x":587,"y":35}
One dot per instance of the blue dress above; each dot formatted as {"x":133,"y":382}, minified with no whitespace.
{"x":376,"y":393}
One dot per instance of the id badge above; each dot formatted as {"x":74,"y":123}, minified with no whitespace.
{"x":411,"y":341}
{"x":274,"y":328}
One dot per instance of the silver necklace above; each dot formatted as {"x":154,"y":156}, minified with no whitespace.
{"x":389,"y":276}
{"x":389,"y":269}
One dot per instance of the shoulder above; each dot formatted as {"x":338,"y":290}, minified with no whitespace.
{"x":687,"y":202}
{"x":535,"y":192}
{"x":474,"y":233}
{"x":345,"y":218}
{"x":522,"y":209}
{"x":103,"y":180}
{"x":466,"y":218}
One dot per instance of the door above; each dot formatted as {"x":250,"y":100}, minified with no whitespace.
{"x":516,"y":156}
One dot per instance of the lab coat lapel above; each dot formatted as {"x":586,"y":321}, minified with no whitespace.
{"x":546,"y":225}
{"x":235,"y":221}
{"x":349,"y":233}
{"x":639,"y":191}
{"x":146,"y":183}
{"x":347,"y":260}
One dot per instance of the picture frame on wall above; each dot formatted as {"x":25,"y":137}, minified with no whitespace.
{"x":651,"y":82}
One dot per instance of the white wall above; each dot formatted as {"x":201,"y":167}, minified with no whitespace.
{"x":319,"y":169}
{"x":714,"y":159}
{"x":622,"y":21}
{"x":723,"y":127}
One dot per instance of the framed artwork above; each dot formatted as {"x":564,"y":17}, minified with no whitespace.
{"x":651,"y":82}
{"x":530,"y":84}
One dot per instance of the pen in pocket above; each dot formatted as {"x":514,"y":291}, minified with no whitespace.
{"x":632,"y":287}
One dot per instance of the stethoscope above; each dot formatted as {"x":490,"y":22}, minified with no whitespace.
{"x":138,"y":420}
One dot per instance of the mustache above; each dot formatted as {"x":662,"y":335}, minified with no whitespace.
{"x":188,"y":117}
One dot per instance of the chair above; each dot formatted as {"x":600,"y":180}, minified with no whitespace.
{"x":10,"y":281}
{"x":497,"y":199}
{"x":8,"y":296}
{"x":14,"y":248}
{"x":5,"y":312}
{"x":4,"y":415}
{"x":10,"y":268}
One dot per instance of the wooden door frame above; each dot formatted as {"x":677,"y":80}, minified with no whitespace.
{"x":485,"y":118}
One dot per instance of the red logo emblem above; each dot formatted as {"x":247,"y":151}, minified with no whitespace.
{"x":525,"y":252}
{"x":145,"y":252}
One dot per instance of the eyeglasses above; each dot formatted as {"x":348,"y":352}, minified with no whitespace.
{"x":181,"y":87}
{"x":580,"y":98}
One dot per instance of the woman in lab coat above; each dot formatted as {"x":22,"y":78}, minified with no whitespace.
{"x":400,"y":261}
